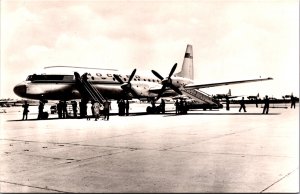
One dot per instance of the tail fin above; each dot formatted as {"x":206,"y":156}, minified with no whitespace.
{"x":229,"y":92}
{"x":187,"y":69}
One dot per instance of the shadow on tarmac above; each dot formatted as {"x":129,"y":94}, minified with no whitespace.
{"x":240,"y":113}
{"x":165,"y":115}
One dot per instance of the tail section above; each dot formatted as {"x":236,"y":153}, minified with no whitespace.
{"x":229,"y":92}
{"x":187,"y":69}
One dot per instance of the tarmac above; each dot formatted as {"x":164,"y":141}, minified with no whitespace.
{"x":204,"y":151}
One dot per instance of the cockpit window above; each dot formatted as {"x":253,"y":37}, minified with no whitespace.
{"x":29,"y":78}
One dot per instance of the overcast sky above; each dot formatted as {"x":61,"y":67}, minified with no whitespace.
{"x":232,"y":39}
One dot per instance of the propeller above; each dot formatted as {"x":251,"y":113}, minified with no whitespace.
{"x":167,"y":82}
{"x":126,"y":86}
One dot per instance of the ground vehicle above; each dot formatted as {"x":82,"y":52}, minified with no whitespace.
{"x":53,"y":109}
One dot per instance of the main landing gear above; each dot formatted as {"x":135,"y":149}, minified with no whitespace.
{"x":154,"y":109}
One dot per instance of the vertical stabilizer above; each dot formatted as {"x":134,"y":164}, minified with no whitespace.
{"x":187,"y":69}
{"x":229,"y":92}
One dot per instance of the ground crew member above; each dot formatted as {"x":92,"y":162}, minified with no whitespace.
{"x":41,"y":109}
{"x":74,"y":106}
{"x":242,"y":103}
{"x":127,"y":107}
{"x":163,"y":106}
{"x":181,"y":106}
{"x":25,"y":111}
{"x":266,"y":107}
{"x":107,"y":107}
{"x":293,"y":101}
{"x":59,"y":109}
{"x":227,"y":103}
{"x":64,"y":110}
{"x":176,"y":107}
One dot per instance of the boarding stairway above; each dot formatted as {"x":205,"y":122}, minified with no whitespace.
{"x":199,"y":96}
{"x":87,"y":89}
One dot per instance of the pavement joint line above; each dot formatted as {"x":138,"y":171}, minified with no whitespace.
{"x":54,"y":158}
{"x":237,"y":154}
{"x":279,"y":180}
{"x":208,"y":139}
{"x":37,"y":187}
{"x":128,"y":134}
{"x":84,"y":145}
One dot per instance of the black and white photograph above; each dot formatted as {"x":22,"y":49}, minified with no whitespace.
{"x":149,"y":96}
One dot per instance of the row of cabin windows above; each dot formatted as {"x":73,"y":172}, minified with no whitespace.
{"x":153,"y":80}
{"x":135,"y":79}
{"x":62,"y":77}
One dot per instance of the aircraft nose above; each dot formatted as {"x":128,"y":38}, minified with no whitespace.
{"x":20,"y":90}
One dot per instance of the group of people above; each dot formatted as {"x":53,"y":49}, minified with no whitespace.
{"x":95,"y":109}
{"x":266,"y":102}
{"x":123,"y":106}
{"x":181,"y":107}
{"x":62,"y":109}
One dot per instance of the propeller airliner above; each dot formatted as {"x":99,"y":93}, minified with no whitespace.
{"x":60,"y":83}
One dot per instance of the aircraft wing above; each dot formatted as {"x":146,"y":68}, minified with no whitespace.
{"x":198,"y":86}
{"x":157,"y":90}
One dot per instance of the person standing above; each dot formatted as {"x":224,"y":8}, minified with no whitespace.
{"x":106,"y":109}
{"x":242,"y":103}
{"x":181,"y":105}
{"x":41,"y":109}
{"x":266,"y":106}
{"x":127,"y":107}
{"x":293,"y":101}
{"x":74,"y":106}
{"x":59,"y":109}
{"x":163,"y":106}
{"x":88,"y":111}
{"x":227,"y":103}
{"x":122,"y":107}
{"x":176,"y":107}
{"x":96,"y":108}
{"x":25,"y":111}
{"x":64,"y":110}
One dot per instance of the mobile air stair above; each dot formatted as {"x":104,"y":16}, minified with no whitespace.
{"x":87,"y":89}
{"x":205,"y":100}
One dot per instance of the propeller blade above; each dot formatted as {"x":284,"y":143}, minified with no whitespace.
{"x":176,"y":89}
{"x":163,"y":88}
{"x":132,"y":75}
{"x":118,"y":78}
{"x":173,"y":69}
{"x":157,"y":75}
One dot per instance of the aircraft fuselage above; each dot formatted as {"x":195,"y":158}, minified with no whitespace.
{"x":62,"y":86}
